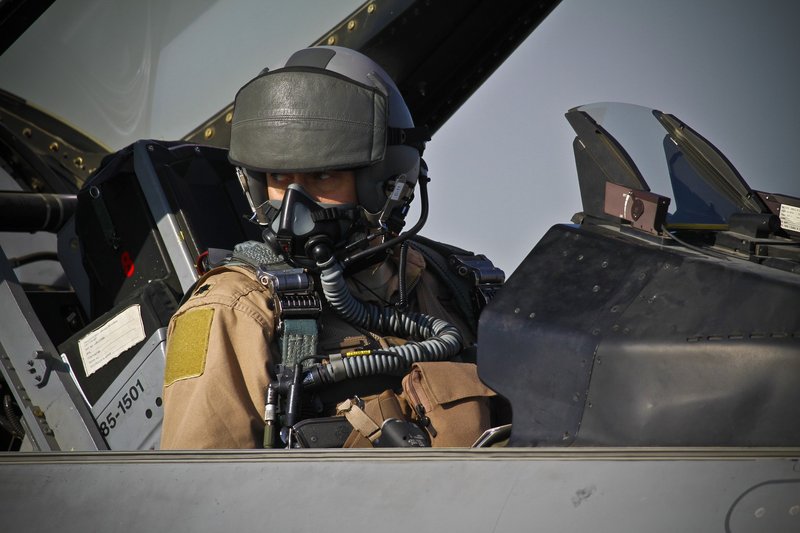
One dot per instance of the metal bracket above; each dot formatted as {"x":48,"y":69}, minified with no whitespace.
{"x":486,"y":277}
{"x":50,"y":363}
{"x":644,"y":210}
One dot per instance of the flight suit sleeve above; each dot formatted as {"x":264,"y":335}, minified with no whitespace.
{"x":218,"y":351}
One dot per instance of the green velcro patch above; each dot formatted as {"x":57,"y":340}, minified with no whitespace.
{"x":188,"y":345}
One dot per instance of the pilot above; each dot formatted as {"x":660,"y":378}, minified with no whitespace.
{"x":336,"y":304}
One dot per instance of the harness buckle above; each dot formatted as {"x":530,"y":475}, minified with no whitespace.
{"x":486,"y":278}
{"x":293,"y":293}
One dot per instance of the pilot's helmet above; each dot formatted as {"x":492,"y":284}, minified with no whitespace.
{"x":326,"y":108}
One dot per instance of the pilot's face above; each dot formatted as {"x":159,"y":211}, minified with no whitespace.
{"x":329,"y":187}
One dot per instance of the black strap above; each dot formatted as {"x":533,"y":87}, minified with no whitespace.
{"x":333,"y":213}
{"x":416,"y":137}
{"x":104,"y":219}
{"x":460,"y":290}
{"x":468,"y":291}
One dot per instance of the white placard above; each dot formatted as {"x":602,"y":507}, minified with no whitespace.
{"x":790,"y":217}
{"x":108,"y":341}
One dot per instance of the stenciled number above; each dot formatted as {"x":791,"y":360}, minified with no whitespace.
{"x":124,"y":404}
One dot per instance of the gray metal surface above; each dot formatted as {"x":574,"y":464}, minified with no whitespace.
{"x":599,"y":490}
{"x":133,"y":403}
{"x":611,"y":340}
{"x":51,"y":404}
{"x":165,"y":219}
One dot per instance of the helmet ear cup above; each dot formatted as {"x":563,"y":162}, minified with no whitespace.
{"x":372,"y":181}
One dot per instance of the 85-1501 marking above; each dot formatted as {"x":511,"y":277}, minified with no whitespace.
{"x":125,"y":403}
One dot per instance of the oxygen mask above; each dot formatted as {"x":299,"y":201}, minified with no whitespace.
{"x":305,"y":231}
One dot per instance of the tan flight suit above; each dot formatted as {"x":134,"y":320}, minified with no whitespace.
{"x":218,"y":350}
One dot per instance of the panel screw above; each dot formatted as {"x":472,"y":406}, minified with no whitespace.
{"x":54,"y":147}
{"x":27,"y":133}
{"x":229,"y":117}
{"x":371,"y":9}
{"x":208,"y":133}
{"x":331,"y":40}
{"x":351,"y":25}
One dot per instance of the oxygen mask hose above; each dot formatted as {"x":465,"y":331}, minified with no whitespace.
{"x":433,"y":339}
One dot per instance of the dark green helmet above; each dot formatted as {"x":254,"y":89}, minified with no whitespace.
{"x":327,"y":108}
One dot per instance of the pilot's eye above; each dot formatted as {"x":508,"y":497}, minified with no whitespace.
{"x":280,"y":178}
{"x":323,"y":176}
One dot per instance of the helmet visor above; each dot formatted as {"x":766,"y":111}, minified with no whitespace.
{"x":301,"y":120}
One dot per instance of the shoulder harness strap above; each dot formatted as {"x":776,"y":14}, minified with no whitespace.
{"x":472,"y":278}
{"x":296,"y":305}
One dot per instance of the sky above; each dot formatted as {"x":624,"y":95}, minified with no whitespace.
{"x":502,"y":167}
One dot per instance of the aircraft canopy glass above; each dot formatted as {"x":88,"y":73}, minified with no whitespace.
{"x":151,"y":69}
{"x":676,"y":162}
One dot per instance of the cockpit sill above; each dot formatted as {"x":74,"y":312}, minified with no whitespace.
{"x":720,"y":242}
